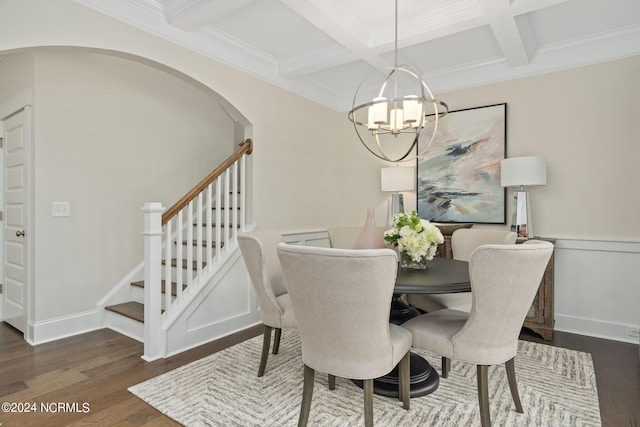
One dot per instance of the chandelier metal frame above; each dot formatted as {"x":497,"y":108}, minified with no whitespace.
{"x":397,"y":122}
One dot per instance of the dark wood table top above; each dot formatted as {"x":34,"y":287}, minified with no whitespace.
{"x":442,"y":276}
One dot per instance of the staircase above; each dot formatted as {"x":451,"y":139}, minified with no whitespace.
{"x":197,"y":235}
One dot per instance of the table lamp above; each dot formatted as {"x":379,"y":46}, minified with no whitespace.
{"x":397,"y":179}
{"x":521,"y":172}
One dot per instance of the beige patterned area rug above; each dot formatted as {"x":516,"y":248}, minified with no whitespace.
{"x":557,"y":388}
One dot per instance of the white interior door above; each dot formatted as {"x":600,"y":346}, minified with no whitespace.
{"x":14,"y":298}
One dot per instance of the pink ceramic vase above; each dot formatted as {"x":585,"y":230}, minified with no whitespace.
{"x":371,"y":237}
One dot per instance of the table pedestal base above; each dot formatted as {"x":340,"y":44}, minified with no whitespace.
{"x":423,"y":379}
{"x":401,"y":311}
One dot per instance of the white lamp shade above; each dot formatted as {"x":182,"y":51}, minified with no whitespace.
{"x":379,"y":111}
{"x":398,"y":178}
{"x":411,"y":109}
{"x":523,"y":171}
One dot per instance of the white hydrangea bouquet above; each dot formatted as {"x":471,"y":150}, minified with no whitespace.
{"x":417,"y":239}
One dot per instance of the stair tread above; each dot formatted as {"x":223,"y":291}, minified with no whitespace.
{"x":174,"y":286}
{"x":132,"y":310}
{"x":174,"y":263}
{"x":204,"y":243}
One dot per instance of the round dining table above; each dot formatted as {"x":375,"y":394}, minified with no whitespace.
{"x":442,"y":276}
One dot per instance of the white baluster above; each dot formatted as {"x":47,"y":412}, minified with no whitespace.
{"x":243,"y":192}
{"x":209,"y":220}
{"x":234,"y":203}
{"x":168,"y":233}
{"x":189,"y":266}
{"x":226,"y":210}
{"x":179,"y":281}
{"x":218,"y":218}
{"x":199,"y":242}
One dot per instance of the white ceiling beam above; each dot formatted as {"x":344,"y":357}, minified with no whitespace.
{"x":318,"y":60}
{"x":441,"y":21}
{"x":366,"y":43}
{"x":313,"y":61}
{"x":525,"y":6}
{"x":506,"y":31}
{"x":191,"y":14}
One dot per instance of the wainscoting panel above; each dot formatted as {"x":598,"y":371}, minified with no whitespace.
{"x":307,"y":238}
{"x":227,"y":305}
{"x":597,"y":288}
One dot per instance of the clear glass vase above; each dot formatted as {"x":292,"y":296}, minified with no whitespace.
{"x":407,"y":262}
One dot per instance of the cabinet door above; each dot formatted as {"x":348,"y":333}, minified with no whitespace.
{"x":540,"y":317}
{"x":536,"y":311}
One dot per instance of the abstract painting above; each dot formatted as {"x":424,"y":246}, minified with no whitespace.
{"x":459,"y":176}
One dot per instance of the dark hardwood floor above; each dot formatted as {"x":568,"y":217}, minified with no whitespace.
{"x":89,"y":374}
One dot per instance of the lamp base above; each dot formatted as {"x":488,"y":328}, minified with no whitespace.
{"x":396,"y":204}
{"x":521,"y":222}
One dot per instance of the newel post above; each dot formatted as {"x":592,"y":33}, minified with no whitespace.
{"x":154,"y":346}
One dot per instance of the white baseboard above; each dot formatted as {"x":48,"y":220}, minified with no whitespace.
{"x":595,"y":328}
{"x":62,"y":327}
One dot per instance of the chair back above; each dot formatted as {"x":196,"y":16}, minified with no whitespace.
{"x":344,"y":237}
{"x":341,"y":299}
{"x":258,"y":250}
{"x":465,"y":240}
{"x":504,"y":282}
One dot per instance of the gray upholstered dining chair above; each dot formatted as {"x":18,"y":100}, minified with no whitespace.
{"x":341,"y":299}
{"x":258,"y":249}
{"x":504,"y":281}
{"x":463,"y":242}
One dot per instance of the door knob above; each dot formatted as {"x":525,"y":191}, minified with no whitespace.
{"x":19,"y":233}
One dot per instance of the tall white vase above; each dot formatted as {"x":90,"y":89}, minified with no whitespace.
{"x":371,"y":237}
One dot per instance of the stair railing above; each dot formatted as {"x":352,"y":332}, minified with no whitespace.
{"x":188,"y":241}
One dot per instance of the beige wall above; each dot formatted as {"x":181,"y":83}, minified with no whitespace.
{"x":109,"y":135}
{"x":17,"y":76}
{"x":583,"y":121}
{"x":292,"y":193}
{"x":310,"y":170}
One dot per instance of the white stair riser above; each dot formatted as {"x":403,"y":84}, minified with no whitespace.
{"x":137,"y":294}
{"x":124,"y":325}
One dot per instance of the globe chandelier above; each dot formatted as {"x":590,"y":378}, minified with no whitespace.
{"x":391,"y":122}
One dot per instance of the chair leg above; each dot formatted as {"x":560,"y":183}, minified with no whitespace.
{"x":446,"y":366}
{"x":513,"y":384}
{"x":368,"y":403}
{"x":307,"y":394}
{"x":266,"y":342}
{"x":404,"y":369}
{"x":332,"y":382}
{"x":483,"y":395}
{"x":276,"y":340}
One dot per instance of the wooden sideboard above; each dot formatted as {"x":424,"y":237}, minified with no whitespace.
{"x":540,"y":317}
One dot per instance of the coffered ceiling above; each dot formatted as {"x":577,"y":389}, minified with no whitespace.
{"x":322,"y":49}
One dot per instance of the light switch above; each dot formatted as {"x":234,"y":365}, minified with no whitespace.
{"x":61,"y":209}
